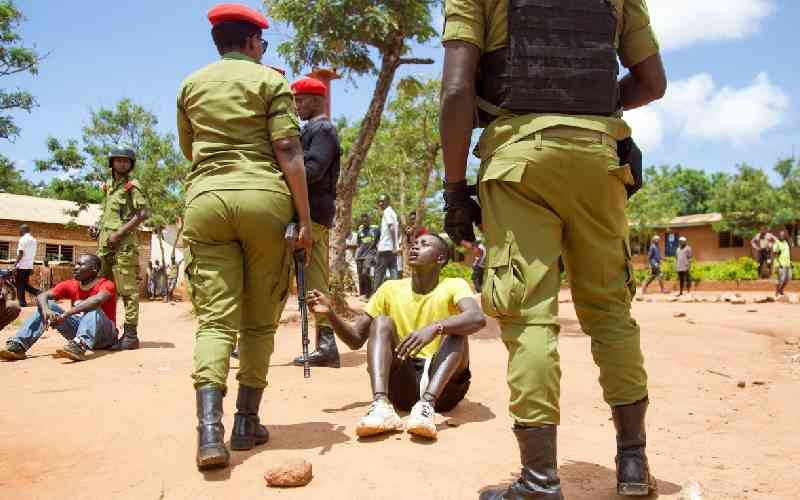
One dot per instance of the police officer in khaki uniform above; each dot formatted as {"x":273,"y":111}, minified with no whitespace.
{"x":124,"y":210}
{"x":237,"y":125}
{"x":545,"y":78}
{"x":322,"y":153}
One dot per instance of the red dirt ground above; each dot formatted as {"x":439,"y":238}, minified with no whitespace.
{"x":122,"y":425}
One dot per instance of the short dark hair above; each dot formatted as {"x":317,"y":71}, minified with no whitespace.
{"x":95,"y":260}
{"x":445,"y":246}
{"x":24,"y":229}
{"x":233,"y":35}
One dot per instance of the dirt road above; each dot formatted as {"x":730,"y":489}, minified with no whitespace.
{"x":122,"y":425}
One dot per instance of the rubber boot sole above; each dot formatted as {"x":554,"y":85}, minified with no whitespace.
{"x":63,"y":353}
{"x":636,"y":489}
{"x":374,"y":430}
{"x":212,"y":458}
{"x":422,"y":431}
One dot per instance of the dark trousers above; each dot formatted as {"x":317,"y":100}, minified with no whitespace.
{"x":387,"y":261}
{"x":364,"y":279}
{"x":477,"y":278}
{"x":684,"y":280}
{"x":23,"y":285}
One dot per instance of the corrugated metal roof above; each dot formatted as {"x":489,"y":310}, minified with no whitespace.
{"x":695,"y":220}
{"x":45,"y":210}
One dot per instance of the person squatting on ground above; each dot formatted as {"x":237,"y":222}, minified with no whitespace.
{"x":26,"y":254}
{"x":9,"y":310}
{"x":783,"y":259}
{"x":654,"y":259}
{"x":416,"y":332}
{"x":124,"y":210}
{"x":321,"y":155}
{"x":237,"y":125}
{"x":683,"y":265}
{"x":551,"y":183}
{"x":88,"y":325}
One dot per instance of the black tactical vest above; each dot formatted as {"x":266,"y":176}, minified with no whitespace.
{"x":560,"y":58}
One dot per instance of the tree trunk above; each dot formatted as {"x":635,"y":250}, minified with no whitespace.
{"x":178,"y":235}
{"x":430,"y":164}
{"x":348,"y":177}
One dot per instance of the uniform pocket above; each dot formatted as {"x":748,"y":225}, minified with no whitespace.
{"x":630,"y":276}
{"x":504,"y":285}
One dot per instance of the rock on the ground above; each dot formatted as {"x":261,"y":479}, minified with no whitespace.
{"x":686,"y":298}
{"x":752,"y":310}
{"x":691,"y":490}
{"x":679,"y":314}
{"x":764,"y":300}
{"x":742,"y":384}
{"x":791,"y":341}
{"x":738,"y":300}
{"x":294,"y":472}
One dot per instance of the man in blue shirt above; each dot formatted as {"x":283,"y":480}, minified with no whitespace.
{"x":654,"y":258}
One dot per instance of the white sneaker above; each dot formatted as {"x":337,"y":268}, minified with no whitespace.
{"x":380,"y":418}
{"x":422,"y":421}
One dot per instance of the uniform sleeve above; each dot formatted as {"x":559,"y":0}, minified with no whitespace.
{"x":459,"y":289}
{"x":282,"y":121}
{"x":637,"y":41}
{"x":377,"y":305}
{"x":139,"y":201}
{"x":321,"y":155}
{"x":464,"y":20}
{"x":185,"y":133}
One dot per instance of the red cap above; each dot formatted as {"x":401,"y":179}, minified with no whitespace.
{"x":236,"y":12}
{"x":309,"y":86}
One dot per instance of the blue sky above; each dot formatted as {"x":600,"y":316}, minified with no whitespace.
{"x":733,"y":93}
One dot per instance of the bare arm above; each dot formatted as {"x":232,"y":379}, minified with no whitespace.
{"x":646,"y":82}
{"x":355,"y":335}
{"x":289,"y":154}
{"x":89,"y":304}
{"x":457,"y":106}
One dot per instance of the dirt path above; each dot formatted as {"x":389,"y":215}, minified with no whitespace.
{"x":122,"y":425}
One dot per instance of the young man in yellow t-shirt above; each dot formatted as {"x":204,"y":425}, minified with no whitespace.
{"x":416,"y":333}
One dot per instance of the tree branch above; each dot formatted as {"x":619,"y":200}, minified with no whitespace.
{"x":415,"y":60}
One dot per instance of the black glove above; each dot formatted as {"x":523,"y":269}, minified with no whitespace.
{"x":461,"y":212}
{"x":630,"y":154}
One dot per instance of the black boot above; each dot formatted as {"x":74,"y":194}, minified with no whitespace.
{"x":247,"y":429}
{"x":128,"y":341}
{"x":633,"y":471}
{"x":539,"y":479}
{"x":211,"y":450}
{"x":326,"y":354}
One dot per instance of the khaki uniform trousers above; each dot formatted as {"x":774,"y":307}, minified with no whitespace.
{"x":122,"y":267}
{"x":561,"y":192}
{"x":318,"y":271}
{"x":238,"y":269}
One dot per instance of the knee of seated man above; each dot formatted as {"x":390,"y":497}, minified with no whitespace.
{"x":382,"y":325}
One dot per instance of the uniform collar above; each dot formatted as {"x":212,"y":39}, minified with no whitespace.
{"x":238,"y":56}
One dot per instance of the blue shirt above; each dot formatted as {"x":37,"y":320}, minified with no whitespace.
{"x":654,"y":255}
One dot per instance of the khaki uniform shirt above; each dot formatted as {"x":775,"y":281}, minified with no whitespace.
{"x":229,"y":113}
{"x":484,"y":23}
{"x":123,"y":199}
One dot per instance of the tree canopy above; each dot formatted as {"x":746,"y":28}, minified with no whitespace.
{"x":14,"y":58}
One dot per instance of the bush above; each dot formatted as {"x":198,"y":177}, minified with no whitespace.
{"x":741,"y":269}
{"x":456,"y":270}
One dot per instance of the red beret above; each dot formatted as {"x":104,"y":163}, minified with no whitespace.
{"x":309,"y":86}
{"x":236,"y":12}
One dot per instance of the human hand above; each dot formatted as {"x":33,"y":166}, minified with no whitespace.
{"x":461,"y":212}
{"x":304,"y":241}
{"x":414,"y":343}
{"x":55,"y":319}
{"x":319,"y":303}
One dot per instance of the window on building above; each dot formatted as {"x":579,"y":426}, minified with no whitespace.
{"x":729,"y":240}
{"x":60,"y":253}
{"x":5,"y":250}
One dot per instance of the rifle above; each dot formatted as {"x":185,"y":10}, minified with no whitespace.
{"x":300,"y":273}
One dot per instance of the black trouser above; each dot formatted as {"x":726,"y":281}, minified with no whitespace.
{"x":23,"y":285}
{"x":477,"y":278}
{"x":364,"y":279}
{"x":684,"y":279}
{"x":406,"y":376}
{"x":386,"y":261}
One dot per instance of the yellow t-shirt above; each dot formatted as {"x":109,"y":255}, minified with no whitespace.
{"x":484,"y":23}
{"x":229,"y":113}
{"x":411,"y":311}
